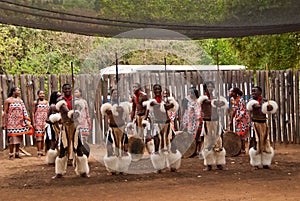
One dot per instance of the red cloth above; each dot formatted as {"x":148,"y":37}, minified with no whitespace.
{"x":158,"y":99}
{"x":208,"y":95}
{"x":259,"y":99}
{"x":68,"y":100}
{"x":137,"y":97}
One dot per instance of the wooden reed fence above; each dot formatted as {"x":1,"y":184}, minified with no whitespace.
{"x":283,"y":88}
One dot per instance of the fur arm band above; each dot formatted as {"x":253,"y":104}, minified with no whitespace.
{"x":72,"y":112}
{"x":114,"y":110}
{"x":172,"y":101}
{"x":250,"y":104}
{"x":105,"y":107}
{"x":222,"y":99}
{"x":201,"y":99}
{"x":54,"y":117}
{"x":264,"y":107}
{"x":126,"y":107}
{"x":60,"y":104}
{"x":148,"y":104}
{"x":145,"y":123}
{"x":79,"y":104}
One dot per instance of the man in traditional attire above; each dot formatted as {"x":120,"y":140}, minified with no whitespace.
{"x":262,"y":152}
{"x":117,"y":159}
{"x":70,"y":141}
{"x":162,"y":132}
{"x":213,"y":151}
{"x":52,"y":129}
{"x":138,"y":112}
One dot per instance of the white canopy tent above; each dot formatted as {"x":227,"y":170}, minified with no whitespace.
{"x":124,"y":69}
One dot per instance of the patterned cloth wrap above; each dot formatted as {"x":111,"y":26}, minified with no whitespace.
{"x":17,"y":120}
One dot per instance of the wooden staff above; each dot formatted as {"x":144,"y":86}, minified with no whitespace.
{"x":267,"y":83}
{"x":117,"y":79}
{"x":218,"y":79}
{"x":73,"y":82}
{"x":166,"y":80}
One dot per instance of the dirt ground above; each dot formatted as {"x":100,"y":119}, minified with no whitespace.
{"x":29,"y":178}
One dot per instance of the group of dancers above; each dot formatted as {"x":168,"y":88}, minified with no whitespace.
{"x":155,"y":121}
{"x":152,"y":121}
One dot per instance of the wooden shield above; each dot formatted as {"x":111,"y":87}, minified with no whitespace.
{"x":185,"y":143}
{"x":136,"y":147}
{"x":232,"y":143}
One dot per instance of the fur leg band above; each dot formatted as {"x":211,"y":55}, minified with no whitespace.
{"x":209,"y":157}
{"x":61,"y":165}
{"x":174,"y":160}
{"x":124,"y":163}
{"x":82,"y":165}
{"x":51,"y":156}
{"x":255,"y":159}
{"x":220,"y":157}
{"x":266,"y":158}
{"x":158,"y":161}
{"x":111,"y":163}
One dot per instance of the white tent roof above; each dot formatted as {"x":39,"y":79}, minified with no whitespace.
{"x":124,"y":69}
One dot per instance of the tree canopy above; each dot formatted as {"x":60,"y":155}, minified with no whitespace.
{"x":35,"y":51}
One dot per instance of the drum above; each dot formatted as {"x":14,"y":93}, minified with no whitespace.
{"x":232,"y":143}
{"x":185,"y":143}
{"x":136,"y":147}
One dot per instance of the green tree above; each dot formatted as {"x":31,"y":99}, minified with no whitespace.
{"x":280,"y":51}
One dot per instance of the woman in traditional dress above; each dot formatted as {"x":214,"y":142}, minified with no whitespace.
{"x":40,"y":109}
{"x":192,"y":120}
{"x":240,"y":119}
{"x":16,"y":121}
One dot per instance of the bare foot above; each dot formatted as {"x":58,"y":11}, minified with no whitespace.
{"x":57,"y":176}
{"x":208,"y":168}
{"x":267,"y":167}
{"x":85,"y":175}
{"x":173,"y":170}
{"x":110,"y":173}
{"x":220,"y":167}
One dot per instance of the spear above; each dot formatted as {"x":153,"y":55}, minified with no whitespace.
{"x":166,"y":77}
{"x":117,"y":78}
{"x":218,"y":72}
{"x":165,"y":62}
{"x":72,"y":71}
{"x":267,"y":83}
